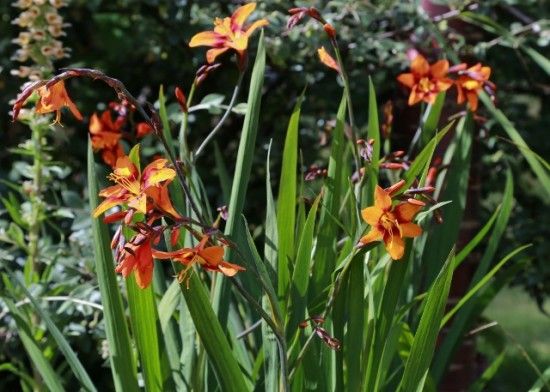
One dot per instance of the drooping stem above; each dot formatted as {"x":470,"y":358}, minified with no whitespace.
{"x":218,"y":126}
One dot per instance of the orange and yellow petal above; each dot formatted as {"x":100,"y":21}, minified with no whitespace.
{"x":372,"y":215}
{"x":139,"y":203}
{"x":327,"y":59}
{"x":242,"y":13}
{"x":213,"y":255}
{"x":440,"y":69}
{"x":161,"y":200}
{"x":381,"y":198}
{"x":229,"y":269}
{"x":414,"y":97}
{"x":206,"y":38}
{"x":419,"y":65}
{"x":472,"y":100}
{"x":212,"y":54}
{"x":256,"y":25}
{"x":106,"y":205}
{"x":410,"y":230}
{"x":395,"y":246}
{"x":372,"y":236}
{"x":405,"y":212}
{"x":407,"y":79}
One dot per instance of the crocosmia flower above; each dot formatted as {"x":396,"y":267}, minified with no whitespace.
{"x":390,"y":224}
{"x":208,"y":257}
{"x":53,"y":99}
{"x":137,"y":257}
{"x":327,"y":59}
{"x":105,"y":135}
{"x":470,"y":82}
{"x":425,"y":80}
{"x":228,"y":33}
{"x":140,"y":191}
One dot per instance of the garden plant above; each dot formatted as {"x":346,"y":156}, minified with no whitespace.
{"x":329,"y":269}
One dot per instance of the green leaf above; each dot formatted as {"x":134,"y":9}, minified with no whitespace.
{"x":212,"y":336}
{"x":134,"y":156}
{"x":41,"y":363}
{"x":72,"y":359}
{"x":169,"y":303}
{"x":143,"y":315}
{"x":542,"y":381}
{"x":373,"y":132}
{"x":123,"y":367}
{"x":286,"y":201}
{"x":481,"y":283}
{"x":420,"y":357}
{"x":301,"y":274}
{"x":243,"y":166}
{"x":530,"y":157}
{"x":163,"y":114}
{"x":466,"y":314}
{"x":431,"y":118}
{"x":325,"y":254}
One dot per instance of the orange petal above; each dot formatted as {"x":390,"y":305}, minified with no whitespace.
{"x":394,"y":245}
{"x":139,"y":203}
{"x":407,"y":79}
{"x":373,"y":235}
{"x":211,"y":54}
{"x":440,"y":69}
{"x":372,"y":215}
{"x":419,"y":65}
{"x":213,"y":255}
{"x":155,"y":177}
{"x":229,"y":269}
{"x":410,"y":230}
{"x":256,"y":25}
{"x":239,"y":42}
{"x":161,"y":199}
{"x":206,"y":38}
{"x":405,"y":212}
{"x":327,"y":59}
{"x":472,"y":100}
{"x":106,"y":205}
{"x":381,"y":199}
{"x":242,"y":13}
{"x":414,"y":98}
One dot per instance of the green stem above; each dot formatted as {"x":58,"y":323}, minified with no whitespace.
{"x":218,"y":126}
{"x":36,"y":201}
{"x":183,"y":146}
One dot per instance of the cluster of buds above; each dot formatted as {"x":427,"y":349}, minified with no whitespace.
{"x":297,"y":14}
{"x":39,"y":41}
{"x":314,"y":172}
{"x":395,"y":161}
{"x":204,"y":71}
{"x":365,"y":148}
{"x":320,"y":332}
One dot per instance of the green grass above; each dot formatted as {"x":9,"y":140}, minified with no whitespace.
{"x":520,"y":318}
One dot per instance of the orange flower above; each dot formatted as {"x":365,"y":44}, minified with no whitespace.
{"x":390,"y":224}
{"x":470,"y":82}
{"x":105,"y":135}
{"x":228,"y":33}
{"x":53,"y":99}
{"x":143,"y":129}
{"x":425,"y":80}
{"x":137,"y":257}
{"x":327,"y":59}
{"x":141,"y":191}
{"x":208,"y":257}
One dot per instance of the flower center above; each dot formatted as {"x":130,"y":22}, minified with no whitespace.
{"x":128,"y":183}
{"x":425,"y":85}
{"x":387,"y":220}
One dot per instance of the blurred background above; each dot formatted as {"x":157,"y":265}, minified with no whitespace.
{"x":144,"y":44}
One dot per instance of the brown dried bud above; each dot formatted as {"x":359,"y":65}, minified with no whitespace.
{"x":330,"y":30}
{"x":182,"y":101}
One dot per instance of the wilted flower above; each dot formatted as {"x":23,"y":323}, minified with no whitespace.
{"x":327,"y":59}
{"x":426,"y":81}
{"x":228,"y":33}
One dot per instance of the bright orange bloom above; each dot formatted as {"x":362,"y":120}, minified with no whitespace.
{"x":53,"y":99}
{"x":208,"y":257}
{"x":141,"y":191}
{"x":137,"y":257}
{"x":228,"y":33}
{"x":470,"y":82}
{"x":327,"y":59}
{"x":425,"y":80}
{"x":105,"y":135}
{"x":390,"y":224}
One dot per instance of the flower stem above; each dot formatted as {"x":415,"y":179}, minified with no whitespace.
{"x":218,"y":126}
{"x":183,"y":145}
